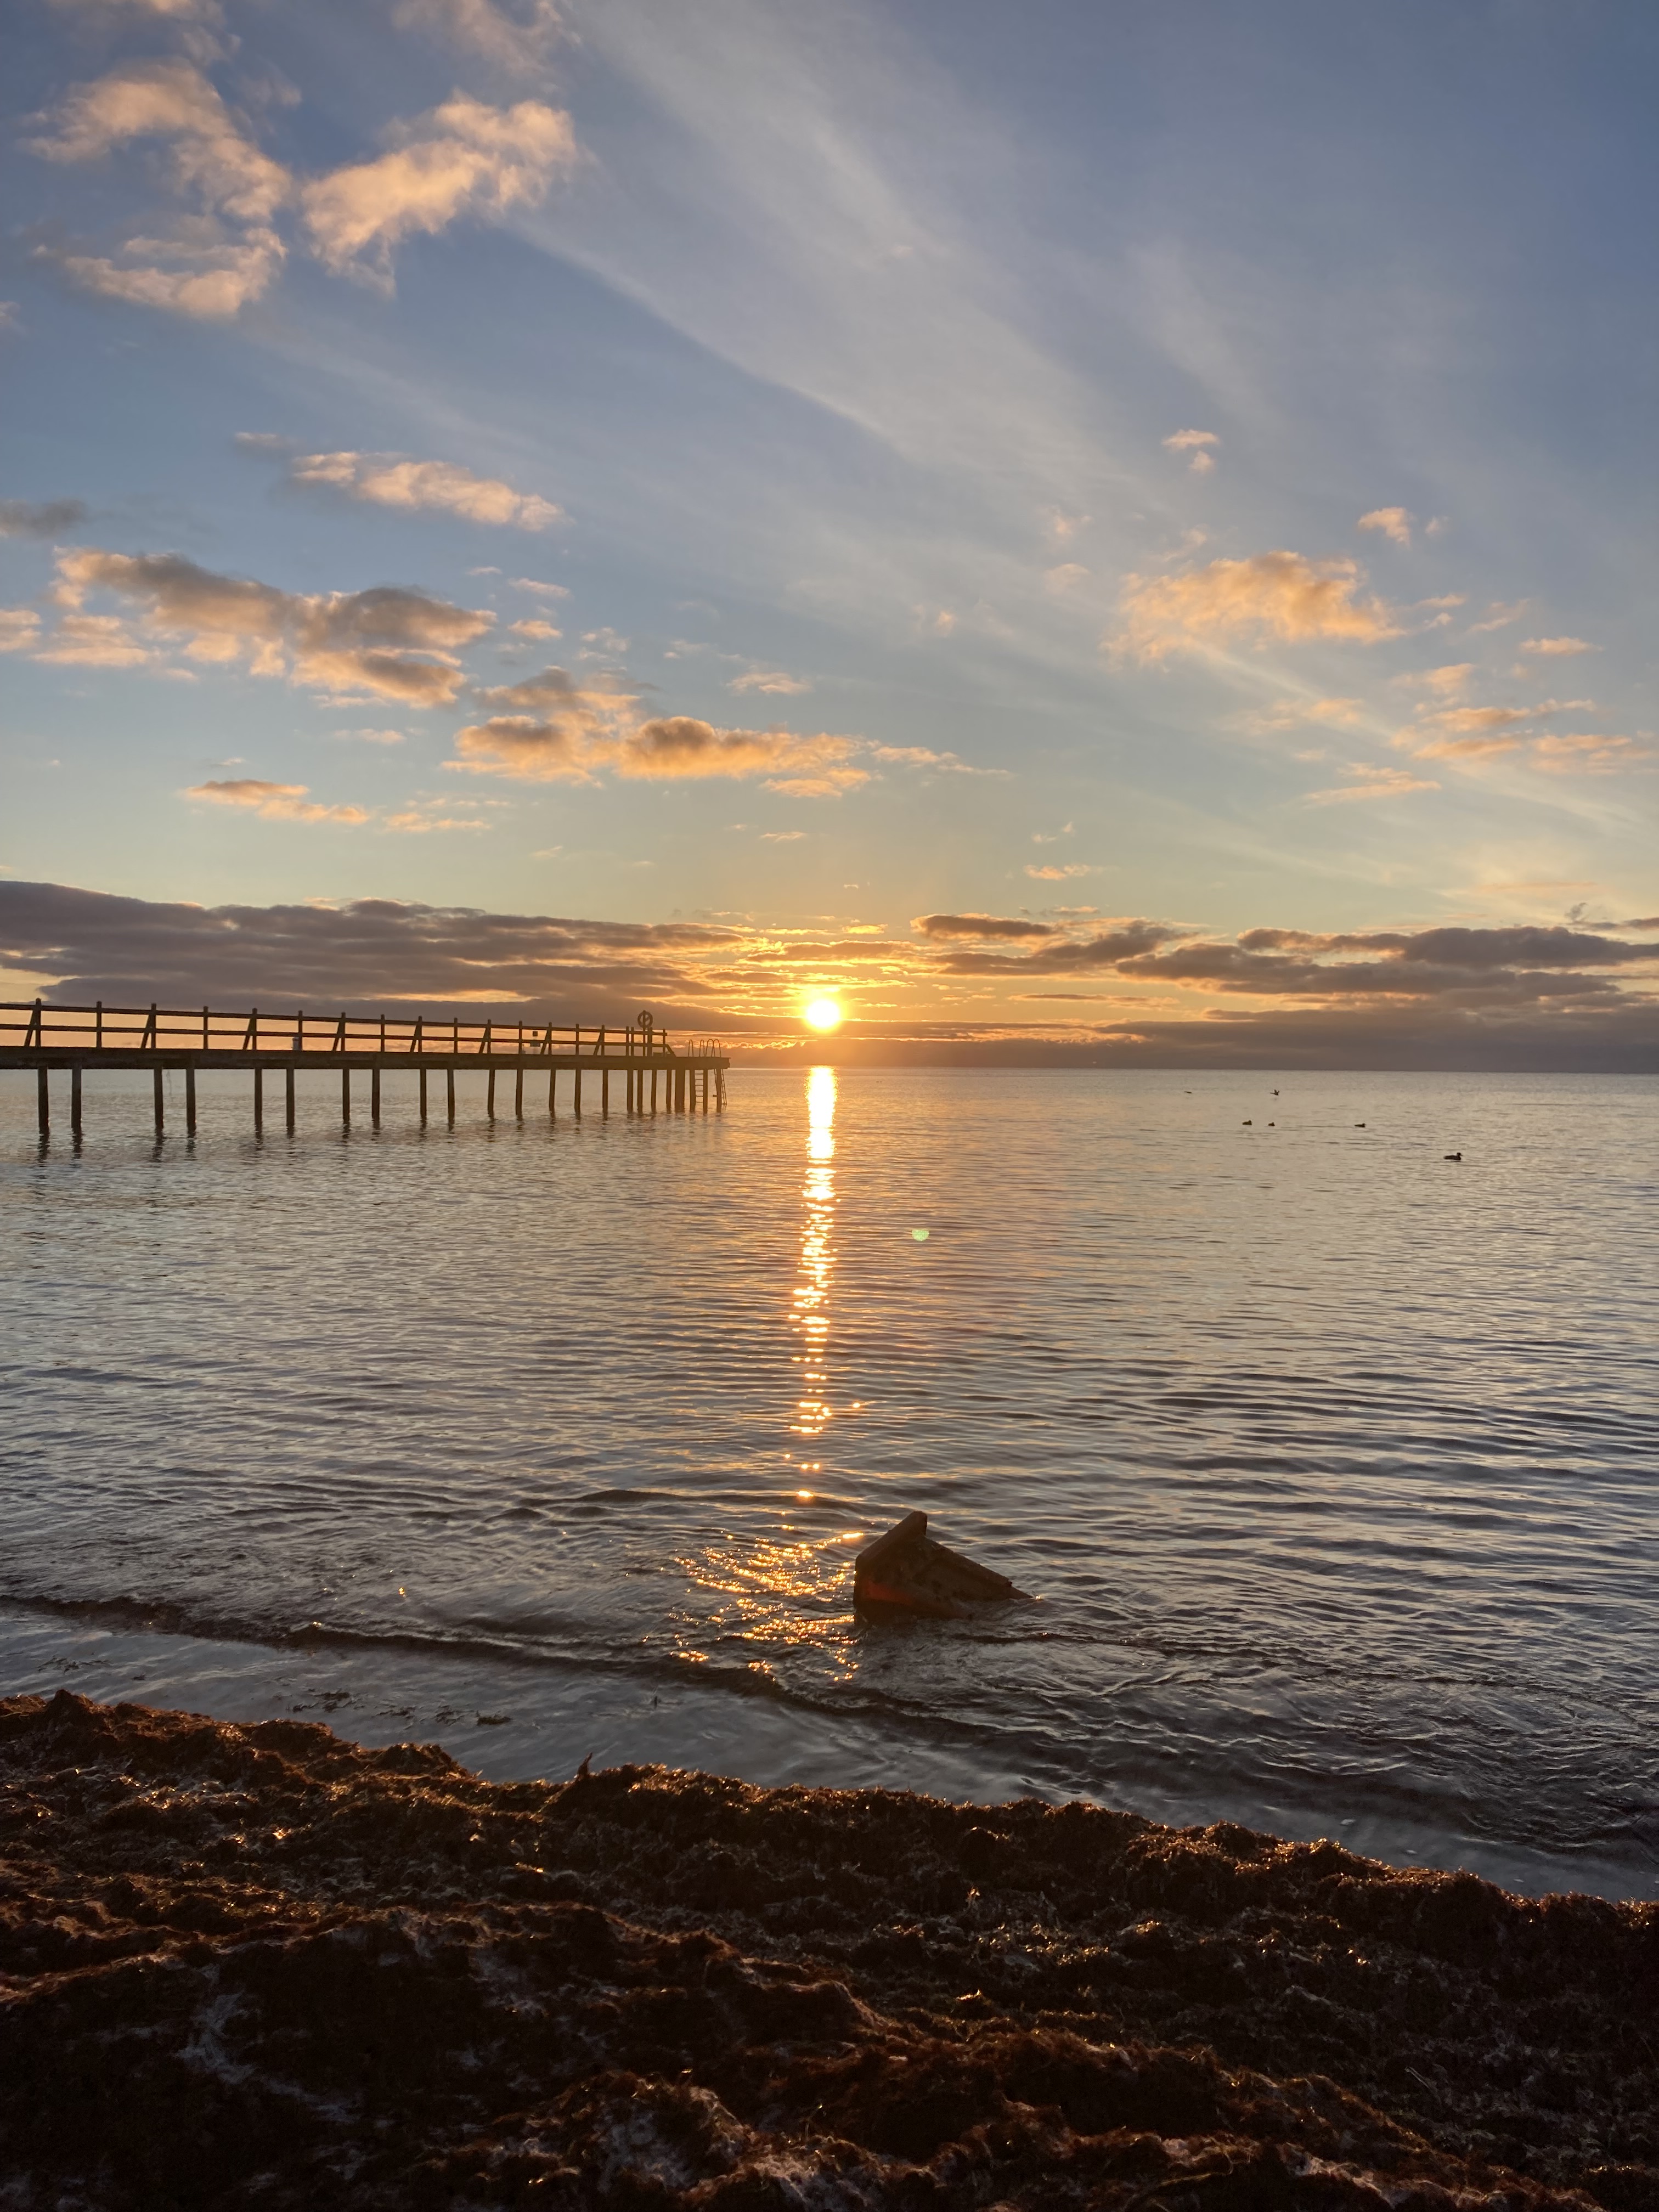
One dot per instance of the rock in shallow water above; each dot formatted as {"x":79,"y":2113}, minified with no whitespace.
{"x":260,"y":1966}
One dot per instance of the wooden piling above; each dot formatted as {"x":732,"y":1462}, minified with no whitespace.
{"x":74,"y":1102}
{"x":190,"y":1099}
{"x":705,"y":1090}
{"x":518,"y":1092}
{"x":653,"y":1094}
{"x":552,"y":1094}
{"x":375,"y":1096}
{"x":43,"y":1100}
{"x":345,"y":1098}
{"x":423,"y":1098}
{"x":161,"y":1102}
{"x":605,"y":1094}
{"x":258,"y":1100}
{"x":450,"y":1075}
{"x":578,"y":1092}
{"x":490,"y":1102}
{"x":289,"y":1100}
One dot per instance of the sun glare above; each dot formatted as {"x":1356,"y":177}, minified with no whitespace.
{"x":823,"y":1014}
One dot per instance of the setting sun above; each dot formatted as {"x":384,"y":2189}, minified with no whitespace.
{"x":823,"y":1014}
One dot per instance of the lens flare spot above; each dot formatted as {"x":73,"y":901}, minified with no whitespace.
{"x":920,"y":1235}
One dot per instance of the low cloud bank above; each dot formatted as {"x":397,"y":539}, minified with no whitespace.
{"x":1520,"y":997}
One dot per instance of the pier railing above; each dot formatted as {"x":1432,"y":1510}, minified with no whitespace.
{"x":40,"y":1026}
{"x":51,"y":1038}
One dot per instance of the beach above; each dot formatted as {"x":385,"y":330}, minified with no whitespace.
{"x":261,"y":1965}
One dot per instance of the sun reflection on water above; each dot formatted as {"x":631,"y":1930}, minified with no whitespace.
{"x":754,"y":1599}
{"x":817,"y":1254}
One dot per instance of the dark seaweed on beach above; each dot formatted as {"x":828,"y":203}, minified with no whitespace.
{"x":261,"y":1967}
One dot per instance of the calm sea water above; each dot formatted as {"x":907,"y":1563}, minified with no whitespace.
{"x":1333,"y":1463}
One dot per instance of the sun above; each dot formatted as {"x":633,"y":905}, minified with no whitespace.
{"x":823,"y":1014}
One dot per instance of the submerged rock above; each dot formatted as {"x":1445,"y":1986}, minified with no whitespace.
{"x":262,"y":1966}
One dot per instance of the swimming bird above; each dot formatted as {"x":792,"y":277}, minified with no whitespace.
{"x":1359,"y":1124}
{"x":1249,"y":1125}
{"x":1451,"y":1156}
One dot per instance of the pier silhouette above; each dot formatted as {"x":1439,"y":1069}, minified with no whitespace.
{"x":51,"y":1038}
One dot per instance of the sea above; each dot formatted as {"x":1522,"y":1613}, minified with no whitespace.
{"x":1330,"y":1464}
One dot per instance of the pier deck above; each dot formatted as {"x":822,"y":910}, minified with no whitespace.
{"x":51,"y":1038}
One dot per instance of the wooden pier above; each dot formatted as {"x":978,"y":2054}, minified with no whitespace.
{"x":73,"y":1039}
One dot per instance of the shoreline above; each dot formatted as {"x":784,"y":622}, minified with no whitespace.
{"x":544,"y":1716}
{"x":260,"y":1965}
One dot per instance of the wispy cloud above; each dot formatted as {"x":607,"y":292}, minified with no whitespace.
{"x":221,"y":256}
{"x":443,"y":487}
{"x":1393,"y":521}
{"x":1335,"y":714}
{"x":464,"y":158}
{"x":516,"y":41}
{"x":19,"y":629}
{"x":982,"y":925}
{"x":1370,"y":782}
{"x":1055,"y":871}
{"x":554,"y":728}
{"x":50,"y":518}
{"x":1558,"y":648}
{"x":1499,"y":617}
{"x":273,"y":802}
{"x":1198,"y":444}
{"x":388,"y":641}
{"x":1267,"y":596}
{"x":1593,"y":755}
{"x":771,"y":681}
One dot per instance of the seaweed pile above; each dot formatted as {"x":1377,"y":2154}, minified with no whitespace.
{"x":262,"y":1966}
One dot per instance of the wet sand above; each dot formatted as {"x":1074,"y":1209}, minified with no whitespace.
{"x":263,"y":1967}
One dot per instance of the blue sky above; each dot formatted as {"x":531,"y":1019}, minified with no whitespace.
{"x":797,"y":471}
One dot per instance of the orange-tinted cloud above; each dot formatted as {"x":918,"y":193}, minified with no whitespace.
{"x":385,"y":480}
{"x":1264,"y":597}
{"x":464,"y":158}
{"x":392,"y":642}
{"x":274,"y":802}
{"x":1393,"y":521}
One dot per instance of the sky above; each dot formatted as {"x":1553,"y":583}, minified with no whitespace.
{"x":1120,"y":531}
